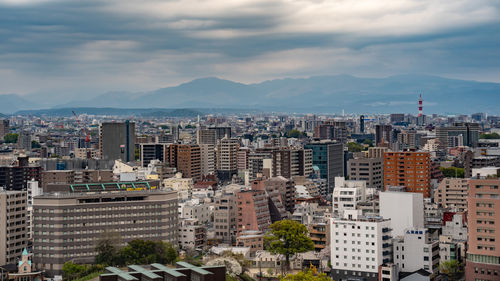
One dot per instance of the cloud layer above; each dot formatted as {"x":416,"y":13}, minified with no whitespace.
{"x":76,"y":47}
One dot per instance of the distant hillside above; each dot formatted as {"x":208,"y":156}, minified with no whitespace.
{"x":321,"y":94}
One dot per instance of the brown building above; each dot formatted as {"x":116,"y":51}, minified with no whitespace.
{"x":483,"y":255}
{"x":410,"y":169}
{"x":252,"y":211}
{"x":186,"y":158}
{"x":67,"y":225}
{"x":452,"y":193}
{"x":370,"y":170}
{"x":13,"y":232}
{"x":79,"y":176}
{"x":290,"y":161}
{"x":16,"y":177}
{"x":251,"y":239}
{"x":318,"y":234}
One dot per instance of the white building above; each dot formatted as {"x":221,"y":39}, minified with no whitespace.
{"x":347,"y":194}
{"x":193,"y":209}
{"x":192,"y":234}
{"x":456,"y":228}
{"x":34,"y":189}
{"x":207,"y":155}
{"x":416,"y":250}
{"x":359,"y":245}
{"x":405,"y":209}
{"x":183,"y":186}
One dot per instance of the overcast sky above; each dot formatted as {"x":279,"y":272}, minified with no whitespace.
{"x":96,"y":46}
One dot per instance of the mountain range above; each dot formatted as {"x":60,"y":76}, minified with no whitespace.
{"x":319,"y":94}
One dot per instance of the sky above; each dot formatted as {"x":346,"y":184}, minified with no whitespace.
{"x":89,"y":47}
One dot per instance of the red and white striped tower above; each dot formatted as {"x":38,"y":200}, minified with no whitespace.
{"x":420,"y":101}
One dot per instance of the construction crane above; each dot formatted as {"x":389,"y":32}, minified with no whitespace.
{"x":87,"y":134}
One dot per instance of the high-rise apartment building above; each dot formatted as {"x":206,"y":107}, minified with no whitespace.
{"x":252,"y":211}
{"x":117,"y":141}
{"x":483,"y":255}
{"x":227,"y":158}
{"x":452,"y":193}
{"x":290,"y":161}
{"x":410,"y":169}
{"x":152,"y":151}
{"x":370,"y":170}
{"x":24,"y":140}
{"x":13,"y":227}
{"x":346,"y":195}
{"x":225,"y":217}
{"x":328,"y":156}
{"x":359,"y":245}
{"x":383,"y":134}
{"x":68,"y":225}
{"x":17,"y":177}
{"x":4,"y":128}
{"x":207,"y":159}
{"x":186,"y":158}
{"x":206,"y":136}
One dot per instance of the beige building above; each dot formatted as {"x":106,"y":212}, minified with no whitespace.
{"x":13,"y":228}
{"x":225,"y":217}
{"x":207,"y":155}
{"x":452,"y":193}
{"x":68,"y":225}
{"x":370,"y":170}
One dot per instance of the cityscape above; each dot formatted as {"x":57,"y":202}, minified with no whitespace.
{"x":221,"y":140}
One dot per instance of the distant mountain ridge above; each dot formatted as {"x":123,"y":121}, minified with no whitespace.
{"x":321,"y":94}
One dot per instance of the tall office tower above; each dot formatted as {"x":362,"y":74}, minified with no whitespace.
{"x":370,"y":170}
{"x":452,"y":194}
{"x":468,"y":132}
{"x":68,"y":225}
{"x":206,"y":136}
{"x":405,"y":209}
{"x":152,"y":151}
{"x":117,"y":141}
{"x":328,"y":156}
{"x":225,"y":217}
{"x":416,"y":250}
{"x":483,"y":255}
{"x":24,"y":140}
{"x":346,"y":195}
{"x":411,"y":169}
{"x":207,"y":159}
{"x":291,"y":161}
{"x":359,"y":245}
{"x":13,"y":228}
{"x":362,"y":124}
{"x":186,"y":158}
{"x":243,"y":155}
{"x":252,"y":211}
{"x":227,"y":158}
{"x":383,"y":134}
{"x":4,"y":127}
{"x":397,"y":117}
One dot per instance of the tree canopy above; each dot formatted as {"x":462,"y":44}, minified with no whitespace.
{"x":489,"y":136}
{"x":10,"y":138}
{"x":354,"y":147}
{"x":452,"y":268}
{"x":288,"y":237}
{"x":452,"y":172}
{"x":309,"y":275}
{"x":294,"y":134}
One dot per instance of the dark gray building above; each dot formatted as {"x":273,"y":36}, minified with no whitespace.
{"x":67,"y":225}
{"x":117,"y":141}
{"x":328,"y":156}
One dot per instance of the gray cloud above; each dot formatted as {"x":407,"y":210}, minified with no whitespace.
{"x":75,"y":47}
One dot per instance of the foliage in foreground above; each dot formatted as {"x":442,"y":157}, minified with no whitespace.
{"x":309,"y":275}
{"x":452,"y":172}
{"x":73,"y":271}
{"x":452,"y":268}
{"x":287,"y":238}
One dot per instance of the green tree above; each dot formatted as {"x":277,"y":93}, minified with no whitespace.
{"x":35,"y":144}
{"x":369,"y":142}
{"x":288,"y":237}
{"x":309,"y":275}
{"x":11,"y":138}
{"x":108,"y":248}
{"x":354,"y":147}
{"x":146,"y":252}
{"x":294,"y":134}
{"x":452,"y":268}
{"x":452,"y":172}
{"x":489,"y":136}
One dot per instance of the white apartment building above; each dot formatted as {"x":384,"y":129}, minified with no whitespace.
{"x":405,"y":209}
{"x":347,"y":194}
{"x":359,"y":245}
{"x":194,"y":209}
{"x":207,"y":154}
{"x":192,"y":234}
{"x":416,"y":250}
{"x":183,"y":186}
{"x":34,"y":189}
